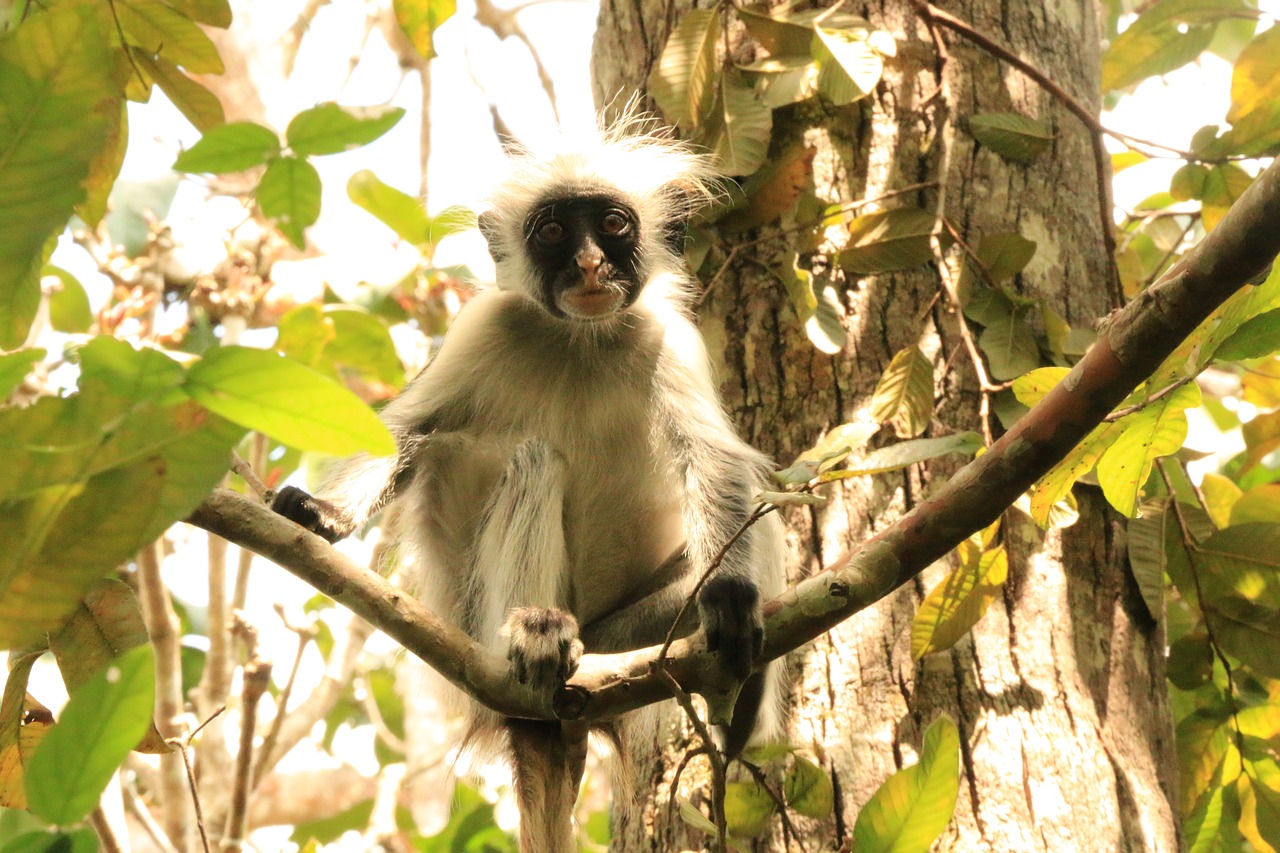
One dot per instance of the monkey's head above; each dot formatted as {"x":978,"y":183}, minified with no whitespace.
{"x":583,"y":232}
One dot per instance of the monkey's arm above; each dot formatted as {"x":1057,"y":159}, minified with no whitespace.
{"x":721,"y":475}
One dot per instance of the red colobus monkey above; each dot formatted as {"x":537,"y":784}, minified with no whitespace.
{"x":566,"y":468}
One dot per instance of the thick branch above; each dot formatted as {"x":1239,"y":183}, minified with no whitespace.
{"x":1135,"y":342}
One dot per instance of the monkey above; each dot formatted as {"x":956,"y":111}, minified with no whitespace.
{"x":566,"y":469}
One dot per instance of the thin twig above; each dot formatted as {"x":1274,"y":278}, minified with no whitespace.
{"x":1159,"y":395}
{"x":257,"y":462}
{"x":788,"y":828}
{"x":133,"y":802}
{"x":183,"y":745}
{"x":370,"y":704}
{"x":1102,"y":160}
{"x":107,"y":841}
{"x":1168,"y":256}
{"x":245,"y":470}
{"x":688,"y":756}
{"x":268,"y":745}
{"x":255,"y":680}
{"x":713,"y":755}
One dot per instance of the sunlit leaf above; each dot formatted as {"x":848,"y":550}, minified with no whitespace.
{"x":1203,"y":743}
{"x":689,"y":814}
{"x":68,"y":304}
{"x":18,"y":740}
{"x":914,"y":805}
{"x":848,"y":67}
{"x":1188,"y":182}
{"x":904,"y":394}
{"x":739,"y":127}
{"x":200,"y":106}
{"x":1225,"y":183}
{"x":1255,"y":338}
{"x":162,"y":30}
{"x":1147,"y":555}
{"x":1013,"y":136}
{"x":267,"y":392}
{"x":1166,"y":36}
{"x":290,"y":195}
{"x":1212,"y":826}
{"x":789,"y":498}
{"x":230,"y":148}
{"x":332,"y":128}
{"x":105,"y":168}
{"x":747,"y":809}
{"x":683,"y":80}
{"x":888,"y":241}
{"x":103,"y":720}
{"x":1220,"y":495}
{"x":1255,"y":79}
{"x":55,"y":105}
{"x":15,"y":366}
{"x":905,"y":453}
{"x":1154,"y":431}
{"x":956,"y":604}
{"x":1261,"y":504}
{"x":788,"y":31}
{"x":419,"y":20}
{"x":807,"y":789}
{"x":215,"y":13}
{"x":1053,"y":486}
{"x":825,"y":328}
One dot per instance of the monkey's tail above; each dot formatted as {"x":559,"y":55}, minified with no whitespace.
{"x":547,"y":760}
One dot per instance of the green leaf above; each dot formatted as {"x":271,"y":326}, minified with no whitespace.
{"x":341,"y":340}
{"x":56,"y":103}
{"x":914,"y":805}
{"x":808,"y":789}
{"x":789,"y":498}
{"x":825,"y":328}
{"x":106,"y":622}
{"x":419,"y":20}
{"x":956,"y":604}
{"x":689,"y":814}
{"x":290,"y":195}
{"x":1054,"y":486}
{"x":1188,"y":182}
{"x":68,"y":305}
{"x":215,"y":13}
{"x":1147,"y":554}
{"x":1212,"y":826}
{"x":21,"y":731}
{"x":1010,"y":347}
{"x":1166,"y":36}
{"x":788,"y":32}
{"x":888,"y":241}
{"x":906,"y":453}
{"x":1255,"y":338}
{"x":904,"y":394}
{"x":1154,"y":431}
{"x":747,"y":809}
{"x":1225,"y":183}
{"x":1259,"y":790}
{"x":848,"y":67}
{"x":739,"y":127}
{"x":200,"y":106}
{"x":230,"y":148}
{"x":161,"y":30}
{"x":403,"y":213}
{"x":1011,"y":135}
{"x":267,"y":392}
{"x":1255,"y":80}
{"x":331,"y":128}
{"x":15,"y":366}
{"x":1004,"y":255}
{"x":102,"y":721}
{"x":47,"y":841}
{"x":105,"y":168}
{"x":683,"y":81}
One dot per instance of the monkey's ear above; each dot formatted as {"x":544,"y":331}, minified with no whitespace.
{"x":488,"y":222}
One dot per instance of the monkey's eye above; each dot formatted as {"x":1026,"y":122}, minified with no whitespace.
{"x":614,"y":223}
{"x":551,"y":232}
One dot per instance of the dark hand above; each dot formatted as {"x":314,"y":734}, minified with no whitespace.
{"x":320,"y":517}
{"x":733,"y":622}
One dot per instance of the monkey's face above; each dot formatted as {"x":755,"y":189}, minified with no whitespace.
{"x":585,"y":253}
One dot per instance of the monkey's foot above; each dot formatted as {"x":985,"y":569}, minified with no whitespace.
{"x":729,"y":607}
{"x":542,"y":645}
{"x":320,"y":517}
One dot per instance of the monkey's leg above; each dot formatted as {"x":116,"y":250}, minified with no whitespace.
{"x":521,"y":575}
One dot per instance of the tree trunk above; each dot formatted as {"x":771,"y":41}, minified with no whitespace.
{"x":1059,"y":692}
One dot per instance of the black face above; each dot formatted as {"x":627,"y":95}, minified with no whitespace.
{"x":585,"y":252}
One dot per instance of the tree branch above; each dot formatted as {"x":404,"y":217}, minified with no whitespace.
{"x":1134,"y":342}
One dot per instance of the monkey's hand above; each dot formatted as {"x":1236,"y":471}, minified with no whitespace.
{"x":320,"y":517}
{"x":732,"y":619}
{"x":542,"y":645}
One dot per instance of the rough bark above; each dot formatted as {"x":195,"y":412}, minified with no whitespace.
{"x":1059,"y":693}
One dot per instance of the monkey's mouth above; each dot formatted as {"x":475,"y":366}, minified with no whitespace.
{"x":590,"y":301}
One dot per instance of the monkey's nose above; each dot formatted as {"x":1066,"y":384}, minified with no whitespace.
{"x":589,"y":260}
